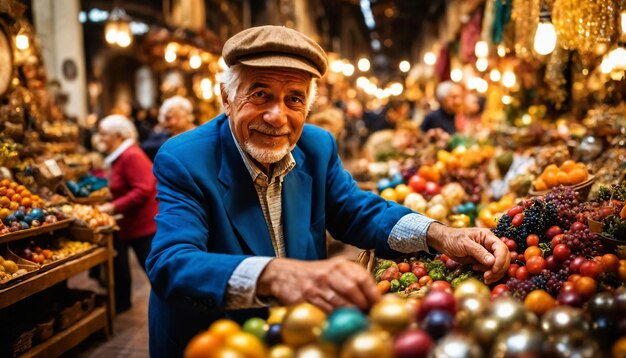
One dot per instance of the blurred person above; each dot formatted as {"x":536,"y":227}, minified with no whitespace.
{"x":176,"y":115}
{"x":133,"y":190}
{"x":395,"y":113}
{"x":469,"y":122}
{"x":450,"y":97}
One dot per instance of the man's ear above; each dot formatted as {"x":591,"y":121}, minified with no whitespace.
{"x":225,"y":102}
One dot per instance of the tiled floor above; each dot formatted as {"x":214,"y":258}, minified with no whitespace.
{"x":130,"y":339}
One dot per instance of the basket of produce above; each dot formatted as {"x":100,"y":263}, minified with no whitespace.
{"x":48,"y":253}
{"x":14,"y":269}
{"x":22,"y":343}
{"x":569,"y":174}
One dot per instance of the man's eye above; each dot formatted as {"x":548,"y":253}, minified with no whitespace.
{"x":297,"y":100}
{"x":259,"y":94}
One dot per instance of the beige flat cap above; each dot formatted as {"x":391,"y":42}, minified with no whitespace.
{"x":275,"y":46}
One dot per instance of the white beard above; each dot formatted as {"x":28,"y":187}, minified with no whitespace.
{"x":266,"y":156}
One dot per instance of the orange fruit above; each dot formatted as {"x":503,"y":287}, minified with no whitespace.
{"x":577,"y":175}
{"x":532,"y":251}
{"x":586,"y":287}
{"x":550,"y":178}
{"x":539,"y":302}
{"x":5,"y":182}
{"x":540,"y":185}
{"x":13,"y":185}
{"x":203,"y":345}
{"x":16,"y":198}
{"x":25,"y":193}
{"x":223,"y":328}
{"x":10,"y":193}
{"x":4,"y":202}
{"x":3,"y":190}
{"x":551,"y":168}
{"x":14,"y":206}
{"x":26,"y":202}
{"x":563,"y":178}
{"x":568,"y":165}
{"x":247,"y":344}
{"x":20,"y":188}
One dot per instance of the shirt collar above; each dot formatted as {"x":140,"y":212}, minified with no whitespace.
{"x":280,"y":168}
{"x":118,"y":151}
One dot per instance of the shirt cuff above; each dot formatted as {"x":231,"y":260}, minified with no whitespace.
{"x":409,"y":233}
{"x":241,"y":288}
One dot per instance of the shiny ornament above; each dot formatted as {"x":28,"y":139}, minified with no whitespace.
{"x":568,"y":347}
{"x":526,"y":342}
{"x":281,"y":351}
{"x":368,"y":345}
{"x":565,"y":320}
{"x":256,"y":326}
{"x":509,"y":312}
{"x":602,"y":304}
{"x":229,"y":353}
{"x":317,"y":351}
{"x":246,"y":344}
{"x":343,"y":323}
{"x":273,"y":336}
{"x":303,"y":324}
{"x":589,"y":148}
{"x":277,"y":315}
{"x":391,"y":315}
{"x":620,"y":300}
{"x":484,"y":330}
{"x":471,"y":287}
{"x":457,"y":346}
{"x":412,"y":344}
{"x":437,"y":323}
{"x":469,"y":309}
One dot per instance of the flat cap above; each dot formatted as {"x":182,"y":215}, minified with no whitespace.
{"x":275,"y":46}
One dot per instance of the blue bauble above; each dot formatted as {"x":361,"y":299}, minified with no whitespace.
{"x":344,"y":323}
{"x":28,"y":219}
{"x":24,"y":225}
{"x":36,"y":214}
{"x":437,"y":323}
{"x":273,"y":335}
{"x":396,"y":180}
{"x":19,"y":215}
{"x":383,"y":184}
{"x":10,"y":218}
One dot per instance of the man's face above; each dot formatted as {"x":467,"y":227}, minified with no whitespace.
{"x":176,"y":120}
{"x":453,"y":103}
{"x":268,"y":112}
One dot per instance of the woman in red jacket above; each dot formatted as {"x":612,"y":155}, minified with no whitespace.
{"x":133,"y":188}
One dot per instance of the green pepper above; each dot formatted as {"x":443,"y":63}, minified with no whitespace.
{"x":407,"y":279}
{"x":395,"y":286}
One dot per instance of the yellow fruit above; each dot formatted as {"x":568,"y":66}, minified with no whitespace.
{"x":402,"y":191}
{"x":203,"y":345}
{"x":389,"y":194}
{"x":247,"y":344}
{"x":223,"y":328}
{"x":10,"y":266}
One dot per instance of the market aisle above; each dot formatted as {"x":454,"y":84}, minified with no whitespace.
{"x":131,"y":327}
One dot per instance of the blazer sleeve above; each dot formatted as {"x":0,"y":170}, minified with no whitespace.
{"x":179,"y":265}
{"x":360,"y":218}
{"x":137,"y":171}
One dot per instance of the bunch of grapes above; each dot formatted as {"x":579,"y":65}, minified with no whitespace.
{"x":556,"y":280}
{"x":521,"y":288}
{"x":564,"y":198}
{"x":583,"y":242}
{"x":538,"y":216}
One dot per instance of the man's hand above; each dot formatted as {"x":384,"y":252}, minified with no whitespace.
{"x":106,"y":208}
{"x":328,"y":284}
{"x":479,"y":247}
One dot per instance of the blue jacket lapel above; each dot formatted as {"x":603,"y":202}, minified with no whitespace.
{"x":297,"y":189}
{"x":240,"y":199}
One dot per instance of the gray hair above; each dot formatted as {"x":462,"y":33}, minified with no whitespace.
{"x":443,"y":89}
{"x":231,"y":79}
{"x":176,"y":101}
{"x":118,"y":124}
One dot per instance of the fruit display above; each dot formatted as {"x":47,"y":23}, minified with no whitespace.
{"x":13,"y":196}
{"x":9,"y":270}
{"x":569,"y":173}
{"x":89,"y":216}
{"x":89,"y":186}
{"x":26,"y":218}
{"x":45,"y":252}
{"x":468,"y":321}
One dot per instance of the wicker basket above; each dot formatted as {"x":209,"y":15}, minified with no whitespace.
{"x":22,"y":343}
{"x":368,"y":260}
{"x":582,"y":189}
{"x":85,"y":303}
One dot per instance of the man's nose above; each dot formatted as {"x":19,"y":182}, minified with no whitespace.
{"x":276,"y":114}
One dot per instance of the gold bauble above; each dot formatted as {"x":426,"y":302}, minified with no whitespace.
{"x":277,"y":314}
{"x":509,"y":312}
{"x":392,"y":315}
{"x":565,"y":320}
{"x":317,"y":351}
{"x":247,"y":344}
{"x":281,"y":351}
{"x":471,"y":287}
{"x":469,"y":308}
{"x":485,"y":330}
{"x":229,"y":353}
{"x":302,"y":324}
{"x":526,"y":342}
{"x":368,"y":345}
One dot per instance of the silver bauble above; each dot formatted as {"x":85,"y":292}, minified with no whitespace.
{"x":526,"y":342}
{"x":456,"y":346}
{"x":565,"y":320}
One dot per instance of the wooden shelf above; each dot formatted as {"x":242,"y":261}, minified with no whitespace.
{"x":69,"y":338}
{"x":36,"y":231}
{"x":40,"y":282}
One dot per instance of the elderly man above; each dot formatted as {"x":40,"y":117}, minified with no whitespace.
{"x":450,"y":97}
{"x":245,"y":199}
{"x":176,"y":115}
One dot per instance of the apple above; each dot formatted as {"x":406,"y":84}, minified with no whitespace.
{"x":417,"y":183}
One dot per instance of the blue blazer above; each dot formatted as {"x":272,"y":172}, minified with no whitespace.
{"x":210,"y":219}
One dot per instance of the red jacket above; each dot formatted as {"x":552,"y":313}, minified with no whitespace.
{"x":133,"y":187}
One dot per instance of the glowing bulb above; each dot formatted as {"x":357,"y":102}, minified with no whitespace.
{"x":526,"y":119}
{"x":124,"y":39}
{"x":336,"y":66}
{"x":507,"y":99}
{"x":430,"y":58}
{"x":362,"y":82}
{"x":195,"y":61}
{"x":501,"y":50}
{"x":216,"y":89}
{"x":404,"y":66}
{"x":482,"y":86}
{"x":222,"y":63}
{"x":363,"y":65}
{"x":379,"y":93}
{"x":617,"y":57}
{"x":606,"y":66}
{"x":206,"y":86}
{"x":508,"y":79}
{"x":370,"y":88}
{"x":396,"y":89}
{"x":21,"y":42}
{"x":623,"y":17}
{"x":495,"y":75}
{"x":456,"y":75}
{"x":481,"y":49}
{"x":545,"y":38}
{"x":110,"y":32}
{"x":170,"y":56}
{"x":348,"y":69}
{"x":482,"y":64}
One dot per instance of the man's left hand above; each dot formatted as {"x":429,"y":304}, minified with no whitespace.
{"x":479,"y":247}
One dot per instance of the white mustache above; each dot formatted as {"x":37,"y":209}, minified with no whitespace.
{"x":269,"y":130}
